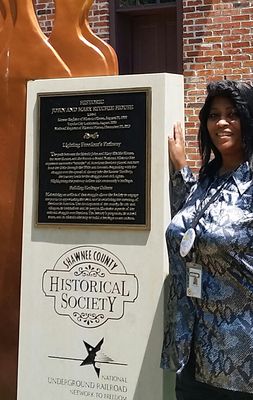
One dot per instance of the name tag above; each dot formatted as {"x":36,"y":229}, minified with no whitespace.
{"x":194,"y":280}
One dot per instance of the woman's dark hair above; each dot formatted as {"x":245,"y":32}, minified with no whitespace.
{"x":241,"y":95}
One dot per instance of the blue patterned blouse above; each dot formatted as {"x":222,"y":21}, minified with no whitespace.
{"x":220,"y":325}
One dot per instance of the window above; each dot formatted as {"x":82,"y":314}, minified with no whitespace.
{"x":136,"y":3}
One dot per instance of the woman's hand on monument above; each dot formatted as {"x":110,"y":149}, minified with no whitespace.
{"x":176,"y":147}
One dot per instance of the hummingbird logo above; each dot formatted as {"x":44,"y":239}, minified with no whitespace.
{"x":95,"y":357}
{"x":92,"y":359}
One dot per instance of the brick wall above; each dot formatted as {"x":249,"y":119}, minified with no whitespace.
{"x":99,"y":17}
{"x":218,"y":42}
{"x":45,"y":14}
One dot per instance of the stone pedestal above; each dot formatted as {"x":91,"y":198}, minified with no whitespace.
{"x":96,"y":208}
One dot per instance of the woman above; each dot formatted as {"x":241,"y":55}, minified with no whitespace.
{"x":209,"y":333}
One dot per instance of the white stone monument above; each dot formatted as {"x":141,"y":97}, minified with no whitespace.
{"x":96,"y":208}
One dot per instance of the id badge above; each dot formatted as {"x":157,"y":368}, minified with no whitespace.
{"x":194,"y":279}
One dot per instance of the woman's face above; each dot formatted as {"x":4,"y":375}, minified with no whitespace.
{"x":224,"y":127}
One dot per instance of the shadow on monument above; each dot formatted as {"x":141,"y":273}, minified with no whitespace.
{"x":82,"y":236}
{"x":151,"y":363}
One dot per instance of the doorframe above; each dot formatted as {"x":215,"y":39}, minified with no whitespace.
{"x":115,"y":14}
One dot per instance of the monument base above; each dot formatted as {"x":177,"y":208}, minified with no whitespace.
{"x":94,"y":252}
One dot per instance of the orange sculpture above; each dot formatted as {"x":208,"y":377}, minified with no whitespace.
{"x":104,"y":47}
{"x":82,"y":57}
{"x":6,"y":24}
{"x":26,"y":54}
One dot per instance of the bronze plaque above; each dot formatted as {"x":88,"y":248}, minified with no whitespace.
{"x":94,"y":159}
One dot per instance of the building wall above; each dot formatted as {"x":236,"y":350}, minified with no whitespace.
{"x":217,"y":43}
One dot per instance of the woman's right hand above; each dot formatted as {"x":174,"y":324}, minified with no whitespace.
{"x":177,"y":148}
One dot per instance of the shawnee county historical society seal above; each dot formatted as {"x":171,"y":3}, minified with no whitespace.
{"x":90,"y":285}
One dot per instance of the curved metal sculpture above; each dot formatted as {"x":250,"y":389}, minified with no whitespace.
{"x":81,"y":56}
{"x":105,"y":48}
{"x":26,"y":54}
{"x":6,"y":24}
